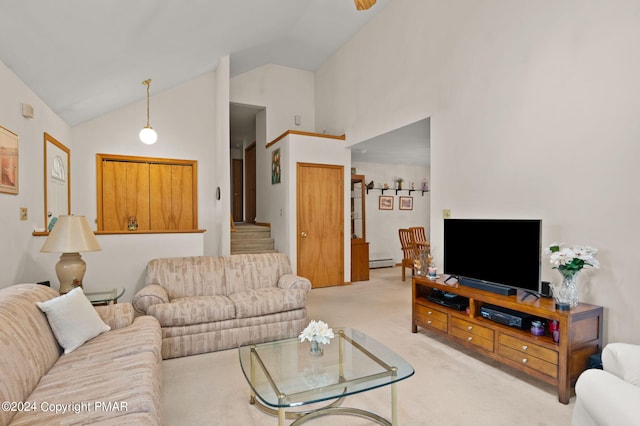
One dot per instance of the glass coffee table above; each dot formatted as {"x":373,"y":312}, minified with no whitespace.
{"x":284,"y":374}
{"x":105,"y":297}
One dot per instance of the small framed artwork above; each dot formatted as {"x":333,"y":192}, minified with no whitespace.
{"x":385,"y":202}
{"x":406,"y":203}
{"x":8,"y":161}
{"x":275,"y":166}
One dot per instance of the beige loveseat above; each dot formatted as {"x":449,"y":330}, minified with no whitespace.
{"x":112,"y":379}
{"x":210,"y":303}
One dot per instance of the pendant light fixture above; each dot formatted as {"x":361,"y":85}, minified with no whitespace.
{"x":147,"y":134}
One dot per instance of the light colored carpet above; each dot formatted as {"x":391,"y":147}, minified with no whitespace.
{"x":451,"y":386}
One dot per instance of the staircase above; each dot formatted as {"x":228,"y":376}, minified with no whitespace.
{"x":247,"y":238}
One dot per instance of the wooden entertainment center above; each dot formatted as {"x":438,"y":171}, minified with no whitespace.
{"x":539,"y":356}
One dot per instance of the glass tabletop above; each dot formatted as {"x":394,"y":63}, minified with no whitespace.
{"x":106,"y":296}
{"x":285,"y":374}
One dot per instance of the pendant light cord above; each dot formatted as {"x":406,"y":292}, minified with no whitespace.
{"x":147,"y":83}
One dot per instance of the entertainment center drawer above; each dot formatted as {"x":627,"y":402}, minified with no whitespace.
{"x":528,"y":348}
{"x":529,"y":360}
{"x":432,"y":317}
{"x":473,"y":328}
{"x":474,"y":339}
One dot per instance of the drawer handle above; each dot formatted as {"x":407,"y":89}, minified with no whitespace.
{"x":524,"y":360}
{"x":525,"y":347}
{"x":429,"y":313}
{"x":469,"y":338}
{"x":470,"y":328}
{"x":429,"y":322}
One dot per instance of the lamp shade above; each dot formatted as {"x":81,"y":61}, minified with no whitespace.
{"x":71,"y":234}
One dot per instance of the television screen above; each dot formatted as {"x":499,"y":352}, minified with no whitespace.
{"x":497,"y":251}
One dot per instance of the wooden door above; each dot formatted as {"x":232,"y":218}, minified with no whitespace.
{"x":320,"y":223}
{"x":250,"y":184}
{"x":236,"y":200}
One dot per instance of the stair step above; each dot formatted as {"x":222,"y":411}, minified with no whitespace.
{"x":253,"y":234}
{"x":253,"y":251}
{"x":252,"y":239}
{"x":258,"y":244}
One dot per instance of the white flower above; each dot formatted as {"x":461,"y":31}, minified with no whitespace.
{"x":318,"y":331}
{"x":572,"y":259}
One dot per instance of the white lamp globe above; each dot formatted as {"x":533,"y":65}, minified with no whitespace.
{"x":148,"y":135}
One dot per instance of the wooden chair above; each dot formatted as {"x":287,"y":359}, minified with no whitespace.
{"x":409,"y":250}
{"x":420,"y":238}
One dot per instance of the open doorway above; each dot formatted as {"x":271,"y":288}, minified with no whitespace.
{"x":242,"y":136}
{"x":402,"y":153}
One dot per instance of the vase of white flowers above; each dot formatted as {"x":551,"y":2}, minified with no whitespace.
{"x":569,"y":261}
{"x":318,"y":333}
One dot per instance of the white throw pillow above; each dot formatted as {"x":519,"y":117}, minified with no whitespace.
{"x":73,"y":319}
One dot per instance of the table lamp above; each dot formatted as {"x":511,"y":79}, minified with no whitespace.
{"x":69,"y":236}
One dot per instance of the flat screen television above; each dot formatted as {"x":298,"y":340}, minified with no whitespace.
{"x":506,"y":252}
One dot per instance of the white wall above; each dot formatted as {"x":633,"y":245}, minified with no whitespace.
{"x":277,"y":200}
{"x":534,"y":114}
{"x":17,"y":261}
{"x":121,"y":262}
{"x":382,"y":225}
{"x":284,"y":92}
{"x":184,"y":118}
{"x":218,"y":241}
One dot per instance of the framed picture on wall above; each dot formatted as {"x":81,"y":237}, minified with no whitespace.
{"x":385,"y":202}
{"x":406,"y":203}
{"x":8,"y":161}
{"x":275,"y":166}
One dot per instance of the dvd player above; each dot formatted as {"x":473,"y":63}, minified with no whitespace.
{"x":506,"y":316}
{"x":449,"y":300}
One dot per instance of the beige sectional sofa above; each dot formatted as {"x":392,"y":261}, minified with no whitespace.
{"x":210,"y":303}
{"x":112,"y":379}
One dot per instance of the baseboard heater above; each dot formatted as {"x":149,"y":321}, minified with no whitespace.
{"x":381,"y":263}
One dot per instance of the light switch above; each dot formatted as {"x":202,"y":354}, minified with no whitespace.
{"x":24,"y":214}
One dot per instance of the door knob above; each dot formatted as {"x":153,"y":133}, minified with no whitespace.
{"x":303,"y":234}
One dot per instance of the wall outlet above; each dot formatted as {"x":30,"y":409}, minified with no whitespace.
{"x":446,"y":213}
{"x":24,"y":215}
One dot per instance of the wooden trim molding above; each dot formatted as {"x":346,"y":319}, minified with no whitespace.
{"x":297,"y":132}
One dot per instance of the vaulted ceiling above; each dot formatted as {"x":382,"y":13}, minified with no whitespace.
{"x":87,"y":57}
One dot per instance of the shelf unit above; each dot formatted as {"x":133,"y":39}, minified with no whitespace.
{"x":382,"y":190}
{"x":558,"y":363}
{"x":359,"y":244}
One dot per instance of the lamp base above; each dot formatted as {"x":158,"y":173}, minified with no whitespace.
{"x":70,"y":270}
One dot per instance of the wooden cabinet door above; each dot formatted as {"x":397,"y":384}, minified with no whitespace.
{"x":182,"y":197}
{"x":160,"y":193}
{"x":171,"y":197}
{"x":160,"y":184}
{"x":125,"y":193}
